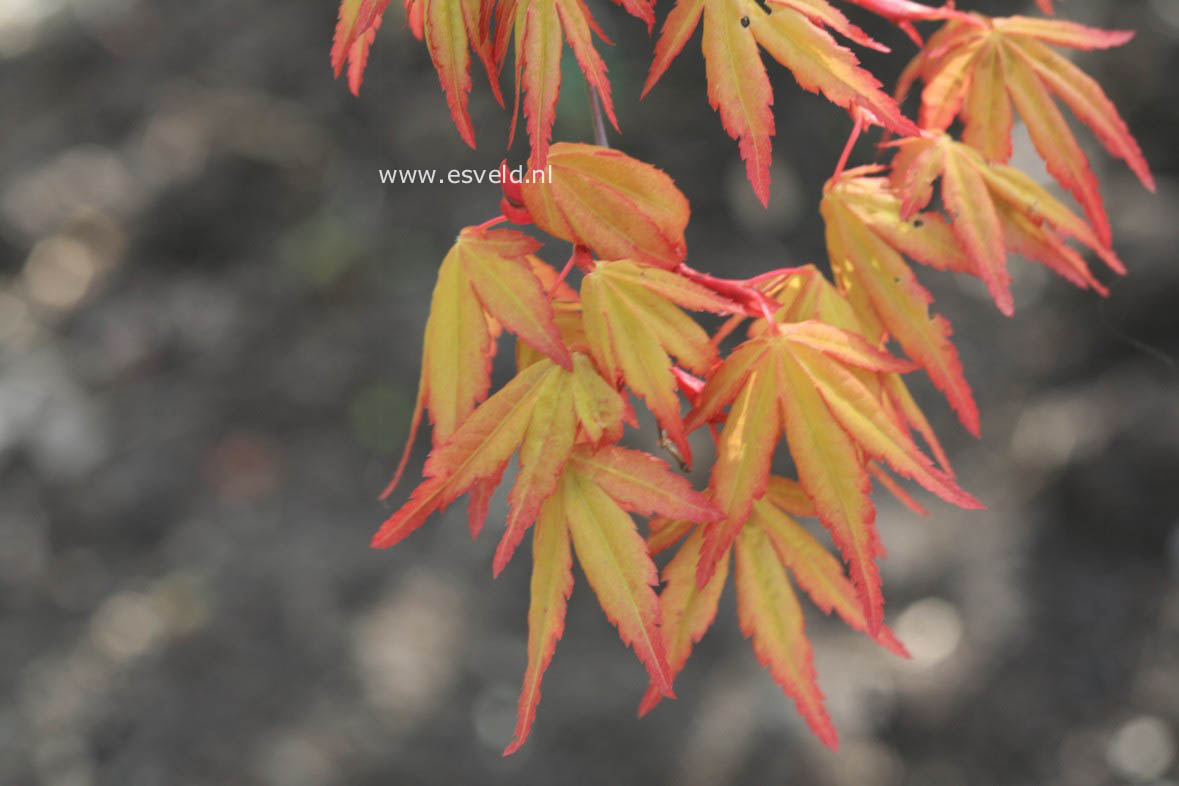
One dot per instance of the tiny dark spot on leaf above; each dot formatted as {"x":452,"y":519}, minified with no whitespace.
{"x":745,"y":21}
{"x":918,"y":223}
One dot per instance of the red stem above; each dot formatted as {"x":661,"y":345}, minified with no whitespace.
{"x":489,"y":223}
{"x":564,"y":271}
{"x":755,"y":302}
{"x":857,"y":129}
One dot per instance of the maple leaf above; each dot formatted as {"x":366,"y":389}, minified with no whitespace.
{"x":815,"y":569}
{"x":451,"y":29}
{"x":589,"y":506}
{"x":806,"y":295}
{"x":487,"y":280}
{"x":791,"y":31}
{"x":994,"y":207}
{"x":539,"y":30}
{"x":614,"y":205}
{"x":632,"y":324}
{"x":866,"y":238}
{"x":980,"y":67}
{"x":768,"y":611}
{"x":355,"y":31}
{"x":538,"y":413}
{"x":688,"y":609}
{"x":798,"y":381}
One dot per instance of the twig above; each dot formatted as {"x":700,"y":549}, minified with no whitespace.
{"x":596,"y":115}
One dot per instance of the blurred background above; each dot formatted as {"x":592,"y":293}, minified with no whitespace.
{"x":210,"y":322}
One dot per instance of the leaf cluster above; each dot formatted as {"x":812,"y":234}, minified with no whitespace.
{"x":817,"y":365}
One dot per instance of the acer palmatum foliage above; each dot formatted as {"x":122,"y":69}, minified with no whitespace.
{"x":817,"y":370}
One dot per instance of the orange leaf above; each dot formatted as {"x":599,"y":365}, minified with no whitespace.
{"x":357,"y":26}
{"x":665,"y":533}
{"x":618,"y":207}
{"x":642,"y":484}
{"x":993,"y":207}
{"x":631,"y":328}
{"x":478,"y":450}
{"x":497,"y":265}
{"x":828,"y":415}
{"x":830,"y":469}
{"x":987,"y":109}
{"x":588,"y":503}
{"x":540,"y":29}
{"x":552,"y":583}
{"x":742,"y":467}
{"x":845,"y":346}
{"x":535,"y":412}
{"x":817,"y":571}
{"x":992,"y":63}
{"x":862,"y":416}
{"x":486,"y":280}
{"x":678,"y":27}
{"x":866,"y":261}
{"x":546,"y":445}
{"x":768,"y":611}
{"x":616,"y":564}
{"x":541,"y":64}
{"x":687,"y":610}
{"x":447,"y":42}
{"x":792,"y":33}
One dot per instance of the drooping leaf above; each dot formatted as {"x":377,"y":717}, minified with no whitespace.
{"x":632,"y":324}
{"x":642,"y":484}
{"x":870,"y":269}
{"x":552,"y":583}
{"x":768,"y":612}
{"x":589,"y":504}
{"x":539,"y":31}
{"x":447,"y":40}
{"x":486,"y":273}
{"x":486,"y":281}
{"x":792,"y":33}
{"x":806,"y":295}
{"x":547,"y":443}
{"x":615,"y":561}
{"x":687,"y":609}
{"x":450,"y":29}
{"x":358,"y":23}
{"x":539,"y":68}
{"x":477,"y":450}
{"x":815,"y":569}
{"x":534,"y":413}
{"x":979,"y":67}
{"x":616,"y":206}
{"x":993,"y":207}
{"x":782,"y":383}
